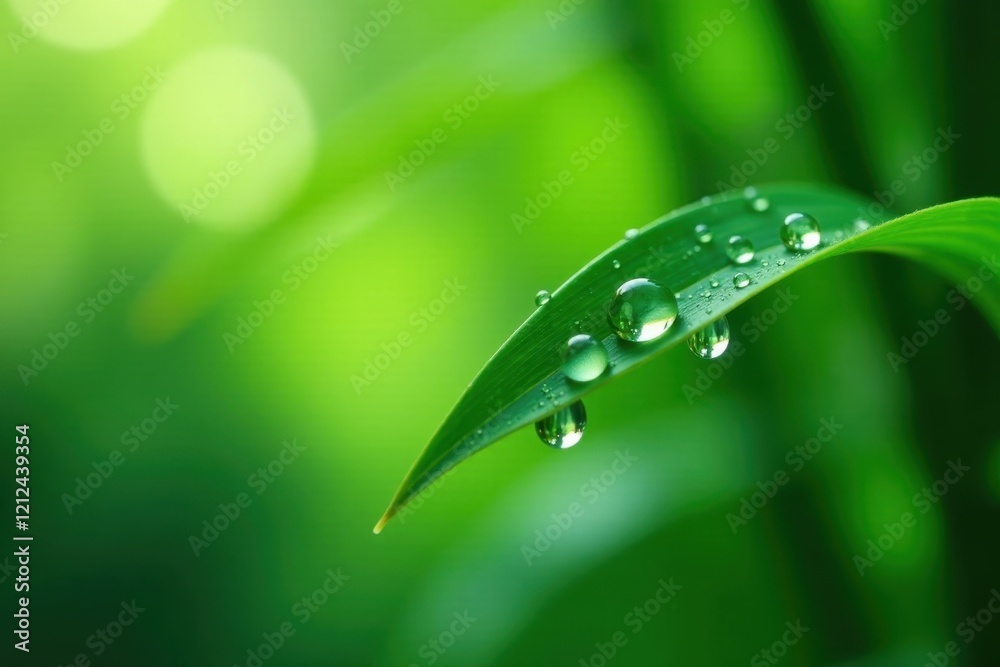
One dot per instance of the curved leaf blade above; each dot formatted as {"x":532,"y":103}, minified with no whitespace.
{"x":522,"y":382}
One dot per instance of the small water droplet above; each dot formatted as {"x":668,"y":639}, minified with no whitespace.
{"x":800,"y":232}
{"x":707,"y":294}
{"x":563,"y":429}
{"x":712,"y":341}
{"x":542,"y":298}
{"x":764,"y":262}
{"x":616,"y":264}
{"x":760,"y":204}
{"x":631,"y":233}
{"x":861,"y":225}
{"x":584,"y":358}
{"x":739,"y":250}
{"x":706,"y":200}
{"x":703,"y":233}
{"x":642,"y":310}
{"x":708,"y":311}
{"x":741,"y":280}
{"x":714,"y":283}
{"x":780,"y":262}
{"x":750,"y":192}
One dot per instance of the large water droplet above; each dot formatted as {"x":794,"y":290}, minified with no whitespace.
{"x":542,"y":298}
{"x":800,"y":232}
{"x":739,"y":249}
{"x":584,"y":358}
{"x":642,"y":310}
{"x":741,"y":280}
{"x":565,"y":428}
{"x":703,"y":233}
{"x":712,"y":341}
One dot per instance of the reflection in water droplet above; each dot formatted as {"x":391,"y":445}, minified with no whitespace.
{"x":584,"y":358}
{"x":563,"y":429}
{"x":712,"y":341}
{"x":739,"y":250}
{"x":642,"y":310}
{"x":800,"y":232}
{"x":741,"y":280}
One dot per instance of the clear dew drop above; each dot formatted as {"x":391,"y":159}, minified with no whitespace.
{"x":800,"y":232}
{"x":703,"y":233}
{"x":631,"y":234}
{"x":584,"y":358}
{"x":741,"y":280}
{"x":542,"y":298}
{"x":707,"y":294}
{"x":714,"y":283}
{"x":616,"y":264}
{"x":712,"y":341}
{"x":642,"y":310}
{"x":780,"y":262}
{"x":563,"y":429}
{"x":760,"y":204}
{"x":739,"y":250}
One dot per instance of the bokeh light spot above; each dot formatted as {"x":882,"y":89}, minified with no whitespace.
{"x":84,"y":24}
{"x":228,"y":138}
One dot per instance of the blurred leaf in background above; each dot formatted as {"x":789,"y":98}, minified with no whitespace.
{"x":253,"y":253}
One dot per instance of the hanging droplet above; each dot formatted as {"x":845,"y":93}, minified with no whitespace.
{"x":712,"y":341}
{"x":631,"y":234}
{"x":642,"y":310}
{"x":542,"y":298}
{"x":800,"y":232}
{"x":741,"y":280}
{"x":616,"y":264}
{"x":703,"y":233}
{"x":584,"y":358}
{"x":739,"y":250}
{"x":563,"y":429}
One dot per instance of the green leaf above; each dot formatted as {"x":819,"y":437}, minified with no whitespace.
{"x":960,"y":240}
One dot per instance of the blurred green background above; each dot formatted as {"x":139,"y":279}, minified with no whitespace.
{"x":287,"y":190}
